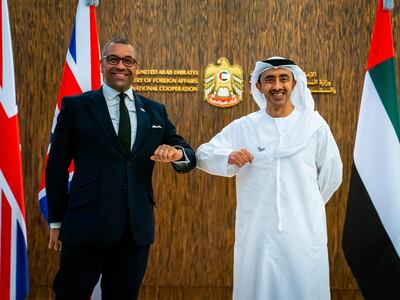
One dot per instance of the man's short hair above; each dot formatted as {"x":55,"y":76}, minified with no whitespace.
{"x":116,"y":40}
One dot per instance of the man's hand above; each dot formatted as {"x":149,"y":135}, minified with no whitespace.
{"x":54,"y":243}
{"x":166,"y":153}
{"x":240,"y":157}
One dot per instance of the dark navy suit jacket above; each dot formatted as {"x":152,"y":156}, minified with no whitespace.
{"x":108,"y":187}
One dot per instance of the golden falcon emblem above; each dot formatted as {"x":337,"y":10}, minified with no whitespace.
{"x":223,"y":83}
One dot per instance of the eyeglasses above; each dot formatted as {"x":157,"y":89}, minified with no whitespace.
{"x":128,"y":61}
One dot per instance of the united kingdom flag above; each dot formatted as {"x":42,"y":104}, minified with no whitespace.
{"x":13,"y":248}
{"x":81,"y":73}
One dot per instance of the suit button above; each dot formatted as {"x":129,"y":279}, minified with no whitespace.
{"x":125,"y":187}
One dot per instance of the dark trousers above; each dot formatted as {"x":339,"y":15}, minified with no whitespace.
{"x":122,"y":267}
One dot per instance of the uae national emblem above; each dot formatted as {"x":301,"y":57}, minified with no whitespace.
{"x":223,"y":83}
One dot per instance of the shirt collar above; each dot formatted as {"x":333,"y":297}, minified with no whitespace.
{"x":109,"y":93}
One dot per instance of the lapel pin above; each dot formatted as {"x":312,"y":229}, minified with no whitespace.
{"x":142,"y":109}
{"x":260,"y":149}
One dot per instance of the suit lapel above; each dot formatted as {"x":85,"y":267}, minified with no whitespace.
{"x":143,"y":123}
{"x":100,"y":112}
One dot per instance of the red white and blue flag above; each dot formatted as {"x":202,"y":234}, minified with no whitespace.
{"x":81,"y":73}
{"x":14,"y":280}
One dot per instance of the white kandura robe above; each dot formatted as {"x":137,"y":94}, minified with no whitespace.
{"x":280,"y":248}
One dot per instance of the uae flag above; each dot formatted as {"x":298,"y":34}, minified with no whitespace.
{"x":371,"y":237}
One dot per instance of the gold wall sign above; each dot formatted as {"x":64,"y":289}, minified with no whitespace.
{"x":154,"y":80}
{"x":223,"y":83}
{"x":222,"y":86}
{"x":319,"y":86}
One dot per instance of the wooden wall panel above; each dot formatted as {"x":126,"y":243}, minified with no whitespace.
{"x":193,"y":254}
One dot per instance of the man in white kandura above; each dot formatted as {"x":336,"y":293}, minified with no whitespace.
{"x":287,"y":166}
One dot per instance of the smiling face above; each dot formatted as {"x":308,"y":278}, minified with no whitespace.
{"x":119,"y":77}
{"x":277,"y":86}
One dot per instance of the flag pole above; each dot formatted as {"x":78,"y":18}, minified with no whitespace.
{"x":92,"y":2}
{"x":388,"y":4}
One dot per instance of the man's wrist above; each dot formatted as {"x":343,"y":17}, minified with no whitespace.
{"x":184,"y":158}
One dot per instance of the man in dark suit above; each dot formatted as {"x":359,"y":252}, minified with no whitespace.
{"x":106,"y":220}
